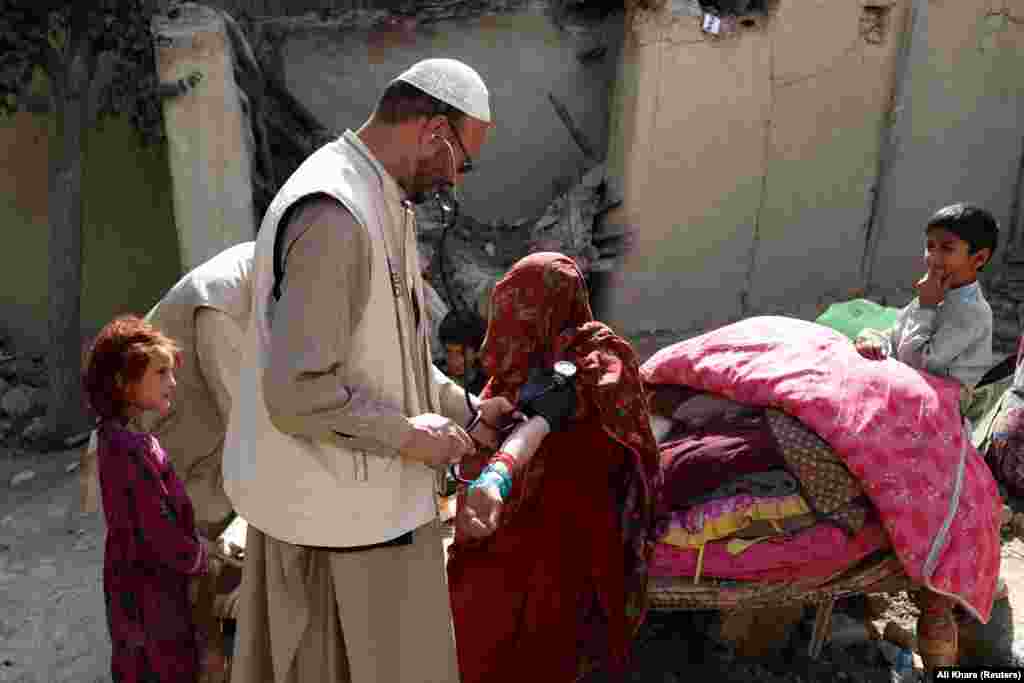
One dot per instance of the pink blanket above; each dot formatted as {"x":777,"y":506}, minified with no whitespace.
{"x":898,"y":430}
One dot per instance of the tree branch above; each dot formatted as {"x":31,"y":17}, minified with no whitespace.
{"x":78,"y":47}
{"x":577,"y":134}
{"x":56,"y":71}
{"x":78,"y":22}
{"x":91,"y":85}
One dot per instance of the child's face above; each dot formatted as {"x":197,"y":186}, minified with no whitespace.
{"x":456,"y":360}
{"x":947,"y":254}
{"x":154,"y":389}
{"x":460,"y":357}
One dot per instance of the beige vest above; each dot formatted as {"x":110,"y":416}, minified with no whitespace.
{"x":194,"y":429}
{"x":313,"y":492}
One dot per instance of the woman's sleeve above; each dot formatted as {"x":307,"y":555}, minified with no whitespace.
{"x":158,"y":529}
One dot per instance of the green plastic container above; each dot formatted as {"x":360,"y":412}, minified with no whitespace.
{"x":850,"y":317}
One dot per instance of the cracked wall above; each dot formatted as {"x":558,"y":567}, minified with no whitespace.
{"x":832,"y":73}
{"x":690,"y":141}
{"x":961,"y":134}
{"x":749,"y":162}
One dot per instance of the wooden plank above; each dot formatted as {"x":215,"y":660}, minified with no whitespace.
{"x":822,"y":628}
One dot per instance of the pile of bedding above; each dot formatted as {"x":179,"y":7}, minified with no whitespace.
{"x":894,"y":432}
{"x":753,"y":494}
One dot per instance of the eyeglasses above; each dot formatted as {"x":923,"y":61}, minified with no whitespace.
{"x":467,"y":163}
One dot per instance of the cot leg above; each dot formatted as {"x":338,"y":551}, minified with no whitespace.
{"x":937,"y":632}
{"x":822,"y":622}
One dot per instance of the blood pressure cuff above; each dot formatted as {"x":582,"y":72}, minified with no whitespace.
{"x":548,"y":396}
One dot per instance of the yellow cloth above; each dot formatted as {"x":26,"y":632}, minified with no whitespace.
{"x":731,"y":522}
{"x":737,"y":546}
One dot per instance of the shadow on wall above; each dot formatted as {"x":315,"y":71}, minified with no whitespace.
{"x":130,"y":247}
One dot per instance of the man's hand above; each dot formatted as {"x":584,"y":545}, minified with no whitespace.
{"x":435,"y":440}
{"x":494,"y":412}
{"x":482,"y":512}
{"x":871,"y":350}
{"x":932,"y":288}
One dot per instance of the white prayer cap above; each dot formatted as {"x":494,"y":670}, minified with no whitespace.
{"x":452,"y":82}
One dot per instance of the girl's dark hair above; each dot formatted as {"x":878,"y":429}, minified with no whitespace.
{"x":403,"y":102}
{"x":117,"y":357}
{"x":971,"y":223}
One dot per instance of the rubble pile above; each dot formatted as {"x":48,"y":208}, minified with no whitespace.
{"x":568,"y":224}
{"x":24,"y":396}
{"x":1004,"y":289}
{"x":476,"y":255}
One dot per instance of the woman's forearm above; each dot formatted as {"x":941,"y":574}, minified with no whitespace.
{"x":522,"y":443}
{"x":515,"y":453}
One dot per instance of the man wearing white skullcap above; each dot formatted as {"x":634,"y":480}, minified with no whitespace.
{"x":343,"y":427}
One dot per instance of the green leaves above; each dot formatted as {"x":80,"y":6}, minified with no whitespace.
{"x":32,"y":29}
{"x":22,"y":36}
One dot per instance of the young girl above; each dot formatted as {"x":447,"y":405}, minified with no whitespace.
{"x":152,"y":545}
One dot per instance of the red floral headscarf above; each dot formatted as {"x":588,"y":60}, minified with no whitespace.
{"x":542,"y":296}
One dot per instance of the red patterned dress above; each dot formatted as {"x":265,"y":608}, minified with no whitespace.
{"x":152,"y":549}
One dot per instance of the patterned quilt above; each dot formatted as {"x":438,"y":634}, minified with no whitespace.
{"x":898,"y":430}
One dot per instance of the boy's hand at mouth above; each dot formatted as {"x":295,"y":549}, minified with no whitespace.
{"x":869,"y":349}
{"x":932,"y":288}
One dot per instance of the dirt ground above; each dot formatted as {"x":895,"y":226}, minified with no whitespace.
{"x":52,"y":622}
{"x":53,"y":629}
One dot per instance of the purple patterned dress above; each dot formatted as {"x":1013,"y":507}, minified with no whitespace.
{"x":152,"y":549}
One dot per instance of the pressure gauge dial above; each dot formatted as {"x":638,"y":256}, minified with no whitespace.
{"x":565,"y":370}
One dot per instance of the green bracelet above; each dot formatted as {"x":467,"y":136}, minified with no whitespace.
{"x":492,"y":476}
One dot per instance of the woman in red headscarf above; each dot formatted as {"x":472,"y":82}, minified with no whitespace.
{"x":548,"y":571}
